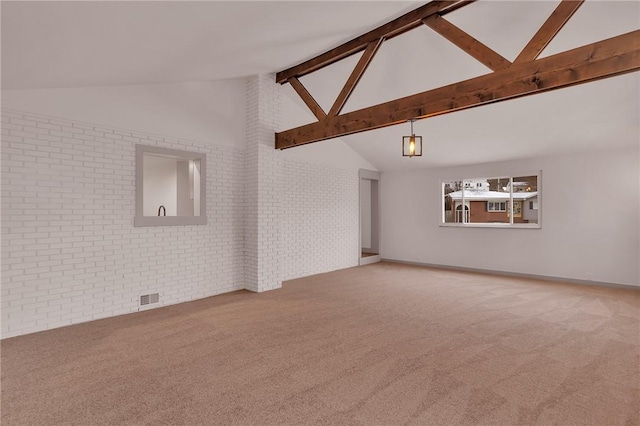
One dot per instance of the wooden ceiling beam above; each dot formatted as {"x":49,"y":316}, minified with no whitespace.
{"x":548,"y":30}
{"x":355,"y":76}
{"x":455,"y":6}
{"x":306,"y":97}
{"x":606,"y":58}
{"x":464,"y":41}
{"x":391,"y":29}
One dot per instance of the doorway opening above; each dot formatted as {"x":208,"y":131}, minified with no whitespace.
{"x":369,"y":217}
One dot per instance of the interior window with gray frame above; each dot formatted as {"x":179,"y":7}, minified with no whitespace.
{"x":170,"y":187}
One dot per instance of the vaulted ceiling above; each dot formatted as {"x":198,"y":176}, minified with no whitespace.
{"x":75,"y":44}
{"x":48,"y":44}
{"x":596,"y":115}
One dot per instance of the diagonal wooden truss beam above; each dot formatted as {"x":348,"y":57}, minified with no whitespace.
{"x":548,"y":30}
{"x":391,"y":29}
{"x":306,"y":97}
{"x":464,"y":41}
{"x":354,"y":78}
{"x":607,"y":58}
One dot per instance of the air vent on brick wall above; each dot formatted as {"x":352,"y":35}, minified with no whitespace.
{"x":147,"y":299}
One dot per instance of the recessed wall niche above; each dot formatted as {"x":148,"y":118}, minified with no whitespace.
{"x":170,"y":187}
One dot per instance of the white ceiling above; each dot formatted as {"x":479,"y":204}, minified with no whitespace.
{"x":105,"y":43}
{"x":76,"y":44}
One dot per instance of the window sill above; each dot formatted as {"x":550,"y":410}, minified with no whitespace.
{"x":140,"y":221}
{"x":492,"y":225}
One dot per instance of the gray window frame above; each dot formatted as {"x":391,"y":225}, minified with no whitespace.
{"x":141,"y":220}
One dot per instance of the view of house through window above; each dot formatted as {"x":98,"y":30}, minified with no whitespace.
{"x":503,"y":200}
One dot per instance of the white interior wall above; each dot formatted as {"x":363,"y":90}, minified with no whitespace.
{"x":196,"y":188}
{"x":365,"y":213}
{"x":320,"y":194}
{"x":301,"y":214}
{"x":319,"y":228}
{"x":590,"y":208}
{"x":204,"y":111}
{"x":160,"y":179}
{"x":70,"y":252}
{"x":184,"y":188}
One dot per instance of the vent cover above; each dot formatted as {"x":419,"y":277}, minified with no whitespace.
{"x":147,"y":299}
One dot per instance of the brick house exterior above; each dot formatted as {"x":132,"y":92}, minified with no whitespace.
{"x":486,"y":206}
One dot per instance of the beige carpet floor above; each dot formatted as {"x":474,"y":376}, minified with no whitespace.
{"x":383,"y":344}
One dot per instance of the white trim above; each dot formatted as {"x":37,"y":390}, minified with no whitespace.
{"x":511,"y":200}
{"x":492,"y":225}
{"x":464,"y":208}
{"x":515,"y":274}
{"x":371,"y":175}
{"x":369,"y":260}
{"x":499,"y":209}
{"x":368,"y":174}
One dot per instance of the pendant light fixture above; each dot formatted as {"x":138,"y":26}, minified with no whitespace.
{"x":412,"y":145}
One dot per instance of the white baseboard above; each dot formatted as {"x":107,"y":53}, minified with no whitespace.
{"x":369,"y":259}
{"x":517,"y":274}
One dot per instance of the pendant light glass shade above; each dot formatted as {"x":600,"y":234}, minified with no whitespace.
{"x":412,"y":145}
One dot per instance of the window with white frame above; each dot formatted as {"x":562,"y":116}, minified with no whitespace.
{"x":505,"y":201}
{"x":496,"y":206}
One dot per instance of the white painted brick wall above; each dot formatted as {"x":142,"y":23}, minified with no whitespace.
{"x":70,"y":252}
{"x":302,"y":219}
{"x":320,"y":230}
{"x":263,"y":186}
